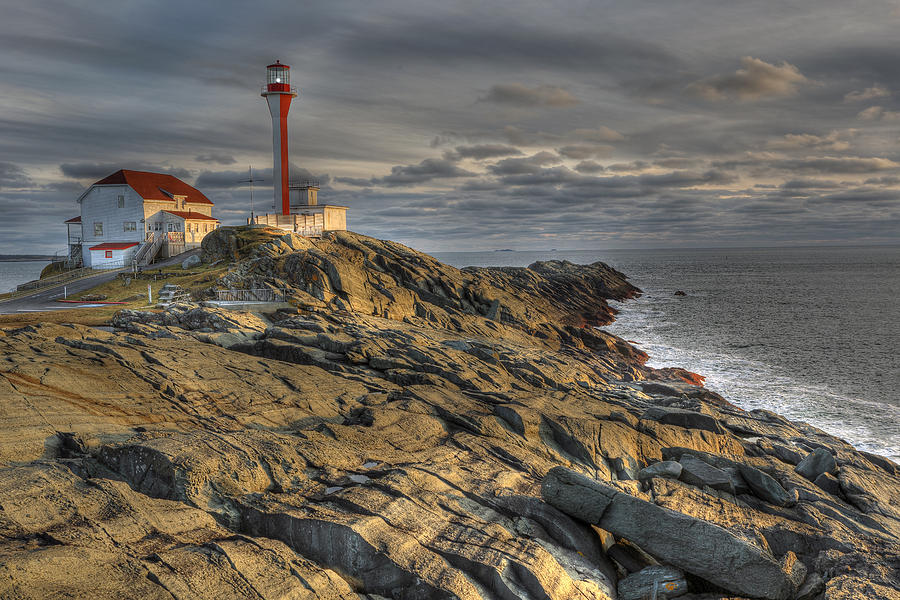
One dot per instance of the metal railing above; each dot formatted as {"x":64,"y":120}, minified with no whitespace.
{"x":302,"y":184}
{"x":264,"y":89}
{"x":53,"y":280}
{"x":148,"y":250}
{"x":253,"y":295}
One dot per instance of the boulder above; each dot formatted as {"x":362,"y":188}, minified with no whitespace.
{"x":829,"y":483}
{"x":688,"y":419}
{"x":817,"y":462}
{"x":696,"y":472}
{"x":191,"y":261}
{"x":765,"y":487}
{"x":737,"y":480}
{"x":666,"y":468}
{"x":793,"y":568}
{"x":695,"y":546}
{"x":576,"y":495}
{"x":786,"y":454}
{"x":657,"y":581}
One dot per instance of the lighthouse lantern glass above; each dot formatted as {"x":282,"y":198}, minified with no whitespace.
{"x":278,"y":75}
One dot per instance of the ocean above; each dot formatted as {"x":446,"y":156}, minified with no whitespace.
{"x":810,"y":333}
{"x":13,"y":273}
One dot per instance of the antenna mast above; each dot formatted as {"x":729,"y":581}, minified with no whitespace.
{"x":250,"y":180}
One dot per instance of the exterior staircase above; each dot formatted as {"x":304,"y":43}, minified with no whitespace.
{"x":148,"y":250}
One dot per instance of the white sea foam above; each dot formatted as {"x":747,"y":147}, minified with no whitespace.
{"x":752,"y":384}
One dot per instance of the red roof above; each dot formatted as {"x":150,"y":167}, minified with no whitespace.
{"x":277,"y":64}
{"x":75,"y":219}
{"x":114,"y":246}
{"x":191,"y":215}
{"x":155,"y":186}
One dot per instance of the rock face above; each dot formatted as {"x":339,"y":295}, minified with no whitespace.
{"x":816,"y":463}
{"x":389,"y":437}
{"x":696,"y":546}
{"x":191,"y":261}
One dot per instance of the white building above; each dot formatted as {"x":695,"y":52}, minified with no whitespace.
{"x":137,"y":214}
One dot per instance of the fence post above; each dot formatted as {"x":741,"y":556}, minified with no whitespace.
{"x":65,"y":292}
{"x":149,"y":294}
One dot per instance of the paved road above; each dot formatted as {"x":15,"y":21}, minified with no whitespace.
{"x":46,"y":299}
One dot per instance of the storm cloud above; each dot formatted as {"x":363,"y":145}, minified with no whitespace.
{"x":451,"y":125}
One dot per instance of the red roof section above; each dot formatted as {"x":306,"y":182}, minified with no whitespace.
{"x":191,"y":215}
{"x":75,"y":219}
{"x":114,"y":246}
{"x":153,"y":186}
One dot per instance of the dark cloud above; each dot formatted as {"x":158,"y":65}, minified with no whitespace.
{"x":88,"y":170}
{"x":354,"y":181}
{"x":809,"y":184}
{"x":584,"y":151}
{"x":13,"y":176}
{"x":516,"y":94}
{"x":832,"y":164}
{"x":96,"y":171}
{"x":467,"y":38}
{"x":233,"y":179}
{"x":600,"y":134}
{"x":427,"y":170}
{"x":482,"y":151}
{"x":519,"y":166}
{"x":589,"y":166}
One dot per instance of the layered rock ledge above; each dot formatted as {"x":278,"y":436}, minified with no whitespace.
{"x":409,"y":430}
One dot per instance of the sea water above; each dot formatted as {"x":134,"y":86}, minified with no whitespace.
{"x":13,"y":273}
{"x":810,"y":333}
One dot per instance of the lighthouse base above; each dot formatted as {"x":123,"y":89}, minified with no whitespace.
{"x":307,"y":221}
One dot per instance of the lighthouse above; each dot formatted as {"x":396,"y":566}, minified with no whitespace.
{"x":304,"y":215}
{"x":279,"y":93}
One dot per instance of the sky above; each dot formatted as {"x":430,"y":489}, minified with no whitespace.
{"x":471,"y":125}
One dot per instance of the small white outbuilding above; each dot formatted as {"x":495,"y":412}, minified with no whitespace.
{"x":112,"y":255}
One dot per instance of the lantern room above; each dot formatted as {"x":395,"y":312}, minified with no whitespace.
{"x":278,"y":77}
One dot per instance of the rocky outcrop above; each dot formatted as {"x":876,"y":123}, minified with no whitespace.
{"x":693,"y":545}
{"x":388,"y":437}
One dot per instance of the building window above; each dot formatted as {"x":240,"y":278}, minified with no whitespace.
{"x":129,"y":226}
{"x":109,"y":254}
{"x":121,"y":200}
{"x":98,"y":229}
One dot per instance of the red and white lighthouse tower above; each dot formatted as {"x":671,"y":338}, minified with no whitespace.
{"x":279,"y":93}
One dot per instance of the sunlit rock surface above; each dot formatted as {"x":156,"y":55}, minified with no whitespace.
{"x":389,"y":438}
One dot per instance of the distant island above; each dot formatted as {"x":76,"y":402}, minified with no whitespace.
{"x":25,"y":257}
{"x":505,"y":250}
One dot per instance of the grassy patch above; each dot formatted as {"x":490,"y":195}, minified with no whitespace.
{"x":194,"y":280}
{"x":134,"y":295}
{"x":84,"y":316}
